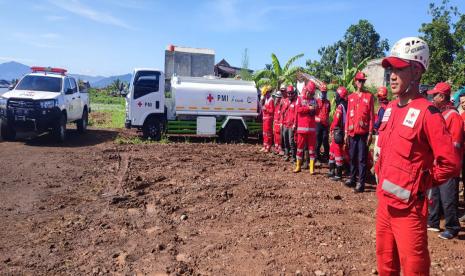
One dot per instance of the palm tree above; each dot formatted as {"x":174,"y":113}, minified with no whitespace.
{"x":275,"y":75}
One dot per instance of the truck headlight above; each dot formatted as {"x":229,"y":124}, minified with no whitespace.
{"x":48,"y":104}
{"x":3,"y":103}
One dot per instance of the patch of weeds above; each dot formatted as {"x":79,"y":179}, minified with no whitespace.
{"x":132,"y":141}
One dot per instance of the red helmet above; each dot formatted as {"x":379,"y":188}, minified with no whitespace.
{"x":342,"y":92}
{"x":310,"y":87}
{"x":382,"y":92}
{"x":290,"y":89}
{"x":360,"y":76}
{"x":323,"y":87}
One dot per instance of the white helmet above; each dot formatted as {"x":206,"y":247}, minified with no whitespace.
{"x":409,"y":48}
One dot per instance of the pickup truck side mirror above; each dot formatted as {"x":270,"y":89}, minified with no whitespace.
{"x":69,"y":91}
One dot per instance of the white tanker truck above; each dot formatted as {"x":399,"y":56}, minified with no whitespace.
{"x":201,"y":106}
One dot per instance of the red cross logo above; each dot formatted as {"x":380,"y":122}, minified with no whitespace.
{"x":139,"y":104}
{"x":210,"y":98}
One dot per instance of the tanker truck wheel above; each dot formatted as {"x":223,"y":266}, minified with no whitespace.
{"x":152,"y":129}
{"x":234,"y":132}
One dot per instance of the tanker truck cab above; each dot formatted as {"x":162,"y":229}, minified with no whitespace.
{"x":200,"y":106}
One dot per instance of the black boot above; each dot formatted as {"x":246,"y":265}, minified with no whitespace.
{"x":359,"y":188}
{"x":331,"y":170}
{"x":349,"y":183}
{"x":338,"y":175}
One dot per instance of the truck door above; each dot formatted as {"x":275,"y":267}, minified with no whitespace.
{"x":76,"y":100}
{"x":147,"y":96}
{"x":70,"y":98}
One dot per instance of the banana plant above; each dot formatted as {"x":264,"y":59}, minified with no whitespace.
{"x":277,"y":75}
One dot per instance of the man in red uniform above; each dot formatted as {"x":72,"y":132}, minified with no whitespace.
{"x":359,"y":128}
{"x":446,"y":196}
{"x":268,"y":112}
{"x":306,"y":108}
{"x":462,"y":105}
{"x":416,"y":153}
{"x":277,"y":121}
{"x":383,"y":101}
{"x":336,"y":150}
{"x":288,"y":125}
{"x":283,"y":107}
{"x":322,"y":124}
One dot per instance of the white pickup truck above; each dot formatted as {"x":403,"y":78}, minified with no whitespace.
{"x":44,"y":100}
{"x":201,"y":106}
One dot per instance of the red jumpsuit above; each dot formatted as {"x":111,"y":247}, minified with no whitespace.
{"x":277,"y":122}
{"x":306,"y":126}
{"x":336,"y":151}
{"x":416,"y":153}
{"x":268,"y":112}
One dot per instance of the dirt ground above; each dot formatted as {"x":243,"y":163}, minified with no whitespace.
{"x":91,"y":206}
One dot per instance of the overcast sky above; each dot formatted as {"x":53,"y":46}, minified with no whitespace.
{"x":109,"y":37}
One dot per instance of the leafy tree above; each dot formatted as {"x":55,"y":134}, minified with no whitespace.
{"x":441,"y":41}
{"x":458,"y":66}
{"x":276,"y":75}
{"x":360,"y":42}
{"x":349,"y":70}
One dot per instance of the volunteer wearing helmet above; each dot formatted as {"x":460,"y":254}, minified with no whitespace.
{"x":268,"y":112}
{"x":306,"y":108}
{"x":336,"y":150}
{"x":416,"y":153}
{"x":277,"y":123}
{"x":359,"y":128}
{"x":446,"y":196}
{"x":322,"y":124}
{"x":382,"y":95}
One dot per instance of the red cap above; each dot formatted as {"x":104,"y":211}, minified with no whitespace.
{"x":310,"y":87}
{"x":441,"y":88}
{"x":394,"y":62}
{"x":360,"y":76}
{"x":382,"y":92}
{"x":290,"y":88}
{"x":342,"y":91}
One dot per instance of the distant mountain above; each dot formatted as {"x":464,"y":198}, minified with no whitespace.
{"x":14,"y":70}
{"x":107,"y":81}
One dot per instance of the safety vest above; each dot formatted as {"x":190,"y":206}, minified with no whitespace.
{"x":268,"y":109}
{"x":360,"y":114}
{"x":322,"y":116}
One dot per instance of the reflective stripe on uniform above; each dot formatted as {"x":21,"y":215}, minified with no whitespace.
{"x":450,"y":113}
{"x":305,"y":129}
{"x":339,"y":158}
{"x":396,"y":190}
{"x":300,"y":150}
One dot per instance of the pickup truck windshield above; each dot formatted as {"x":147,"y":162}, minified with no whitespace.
{"x":40,"y":83}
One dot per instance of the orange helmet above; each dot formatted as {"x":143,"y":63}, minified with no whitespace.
{"x":310,"y":87}
{"x":382,"y":92}
{"x":360,"y":76}
{"x":342,"y":92}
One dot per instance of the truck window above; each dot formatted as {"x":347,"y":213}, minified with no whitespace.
{"x":72,"y":82}
{"x":40,"y":83}
{"x":146,"y":82}
{"x":67,"y":85}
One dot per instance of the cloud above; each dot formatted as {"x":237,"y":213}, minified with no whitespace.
{"x":240,"y":15}
{"x":37,"y":40}
{"x":55,"y":18}
{"x":77,"y":8}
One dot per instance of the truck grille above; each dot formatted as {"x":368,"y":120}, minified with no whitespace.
{"x":20,"y":103}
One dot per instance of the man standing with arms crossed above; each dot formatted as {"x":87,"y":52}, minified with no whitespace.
{"x":416,"y":154}
{"x":359,"y":128}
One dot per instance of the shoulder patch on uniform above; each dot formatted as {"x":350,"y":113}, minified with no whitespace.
{"x":433,"y":110}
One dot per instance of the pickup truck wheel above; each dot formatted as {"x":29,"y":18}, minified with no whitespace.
{"x":82,"y":123}
{"x":59,"y":131}
{"x":8,"y":133}
{"x":152,"y":130}
{"x":234,"y":132}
